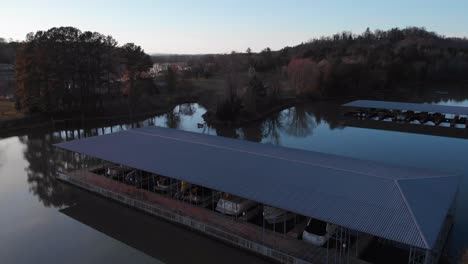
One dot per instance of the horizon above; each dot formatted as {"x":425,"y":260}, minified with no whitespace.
{"x":210,"y":27}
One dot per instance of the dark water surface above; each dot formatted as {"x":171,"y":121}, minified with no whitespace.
{"x":45,"y":221}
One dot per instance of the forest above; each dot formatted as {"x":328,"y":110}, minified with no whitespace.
{"x":65,"y":69}
{"x":348,"y":63}
{"x":395,"y":61}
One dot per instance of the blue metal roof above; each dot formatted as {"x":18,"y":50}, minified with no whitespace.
{"x":430,"y":108}
{"x":406,"y":205}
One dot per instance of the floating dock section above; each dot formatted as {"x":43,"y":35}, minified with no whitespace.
{"x":366,"y":201}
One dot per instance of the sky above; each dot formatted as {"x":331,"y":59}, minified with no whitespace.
{"x":222,"y":26}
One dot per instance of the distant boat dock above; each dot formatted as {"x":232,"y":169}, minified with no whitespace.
{"x":424,"y":114}
{"x":290,"y":205}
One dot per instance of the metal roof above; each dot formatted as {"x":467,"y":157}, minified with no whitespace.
{"x":406,"y":205}
{"x":431,"y":108}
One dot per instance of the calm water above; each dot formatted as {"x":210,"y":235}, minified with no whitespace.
{"x":44,"y":221}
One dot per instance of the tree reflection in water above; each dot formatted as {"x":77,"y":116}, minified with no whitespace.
{"x":226,"y":131}
{"x":173,"y":118}
{"x":41,"y":171}
{"x":45,"y":160}
{"x":298,"y":122}
{"x":326,"y":113}
{"x":272,"y":127}
{"x":187,"y":109}
{"x":253,"y":132}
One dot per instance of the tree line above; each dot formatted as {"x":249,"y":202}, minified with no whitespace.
{"x":65,"y":69}
{"x":7,"y":51}
{"x":395,"y":61}
{"x":347,"y":63}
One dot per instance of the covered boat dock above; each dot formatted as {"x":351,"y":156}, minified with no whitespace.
{"x":406,"y":207}
{"x":439,"y":115}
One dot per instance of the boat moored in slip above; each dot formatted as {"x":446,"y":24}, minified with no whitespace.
{"x":200,"y":195}
{"x":275,"y":215}
{"x":117,"y":171}
{"x":164,"y":184}
{"x":234,"y":205}
{"x":318,"y":232}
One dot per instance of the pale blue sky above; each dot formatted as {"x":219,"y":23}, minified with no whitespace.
{"x":220,"y":26}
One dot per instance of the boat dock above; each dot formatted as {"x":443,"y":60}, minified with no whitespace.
{"x":361,"y":202}
{"x":423,"y":114}
{"x":282,"y":248}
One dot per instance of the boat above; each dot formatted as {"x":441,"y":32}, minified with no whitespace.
{"x":438,"y":118}
{"x":139,"y":179}
{"x":134,"y":178}
{"x":275,"y":215}
{"x":117,"y":171}
{"x":318,"y":232}
{"x":199,"y":195}
{"x":164,"y":184}
{"x":234,"y":205}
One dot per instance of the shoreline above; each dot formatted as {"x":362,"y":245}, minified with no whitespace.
{"x":42,"y":121}
{"x":210,"y":117}
{"x":12,"y":126}
{"x":211,"y":120}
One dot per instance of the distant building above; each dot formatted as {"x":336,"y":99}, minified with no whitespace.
{"x":159,"y":69}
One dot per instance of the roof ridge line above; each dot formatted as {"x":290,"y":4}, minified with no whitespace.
{"x":427,"y":177}
{"x":259,"y":154}
{"x":412,"y":214}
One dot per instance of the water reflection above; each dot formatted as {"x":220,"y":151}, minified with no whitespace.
{"x":42,"y":156}
{"x":298,"y":122}
{"x":454,"y":102}
{"x":187,"y":109}
{"x":253,"y":132}
{"x":229,"y":132}
{"x":272,"y":127}
{"x":41,"y":170}
{"x":2,"y":156}
{"x":153,"y":236}
{"x":172,"y":119}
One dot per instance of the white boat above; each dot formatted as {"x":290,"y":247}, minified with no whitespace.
{"x":318,"y":232}
{"x":117,"y":171}
{"x":275,"y":215}
{"x":234,"y":205}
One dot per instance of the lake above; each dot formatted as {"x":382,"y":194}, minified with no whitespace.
{"x":46,"y":221}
